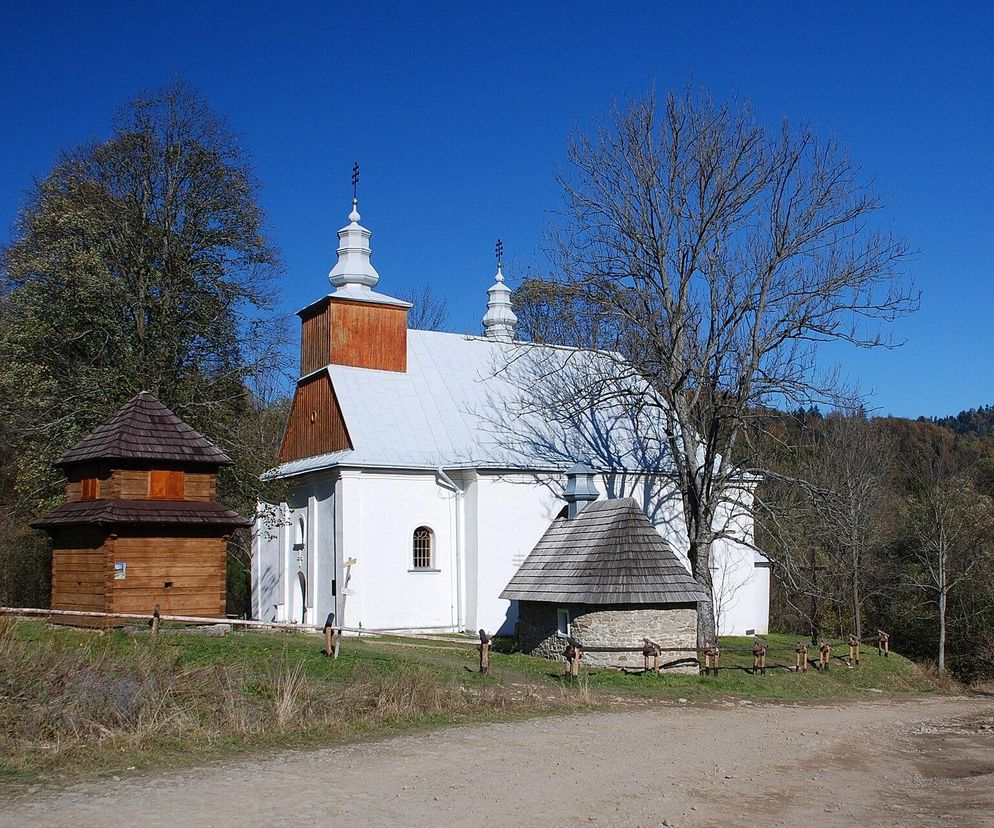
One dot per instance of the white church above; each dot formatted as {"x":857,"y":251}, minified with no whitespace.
{"x":435,"y":461}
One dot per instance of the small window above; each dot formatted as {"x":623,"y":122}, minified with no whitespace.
{"x":562,"y":622}
{"x":89,"y":488}
{"x":423,"y":543}
{"x":166,"y":485}
{"x":299,"y":534}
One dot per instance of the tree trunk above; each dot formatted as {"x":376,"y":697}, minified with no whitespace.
{"x":942,"y":633}
{"x":856,"y":609}
{"x":941,"y":660}
{"x":700,"y":562}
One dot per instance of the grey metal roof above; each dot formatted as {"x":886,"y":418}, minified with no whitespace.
{"x":480,"y":403}
{"x":610,"y":553}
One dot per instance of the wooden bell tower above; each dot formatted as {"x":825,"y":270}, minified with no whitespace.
{"x":141,"y":525}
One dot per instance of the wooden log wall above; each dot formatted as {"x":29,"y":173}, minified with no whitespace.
{"x":88,"y":482}
{"x":79,"y":577}
{"x":184,"y":575}
{"x":141,"y":484}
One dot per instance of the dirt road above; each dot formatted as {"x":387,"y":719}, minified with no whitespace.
{"x":867,"y":764}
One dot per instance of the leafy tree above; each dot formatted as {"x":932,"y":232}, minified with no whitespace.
{"x":138,"y":262}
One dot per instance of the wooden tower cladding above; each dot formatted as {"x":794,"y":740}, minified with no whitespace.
{"x":141,"y":525}
{"x":339,"y":331}
{"x":361,"y":334}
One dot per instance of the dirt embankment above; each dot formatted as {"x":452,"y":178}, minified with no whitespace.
{"x":880,"y":763}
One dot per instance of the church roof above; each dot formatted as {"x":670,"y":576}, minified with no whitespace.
{"x":470,"y":402}
{"x":144,"y":429}
{"x":610,"y":553}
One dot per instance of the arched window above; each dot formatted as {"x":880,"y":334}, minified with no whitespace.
{"x":298,"y":535}
{"x":424,"y":540}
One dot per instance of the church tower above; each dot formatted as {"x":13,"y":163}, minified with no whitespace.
{"x":353,"y":325}
{"x":499,"y":320}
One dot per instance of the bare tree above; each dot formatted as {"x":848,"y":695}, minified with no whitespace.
{"x":846,"y":481}
{"x":430,"y":311}
{"x":951,"y":527}
{"x":720,"y":253}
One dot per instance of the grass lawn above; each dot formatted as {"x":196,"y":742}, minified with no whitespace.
{"x":78,"y":704}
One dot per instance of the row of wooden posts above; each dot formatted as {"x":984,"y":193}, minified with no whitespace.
{"x":573,"y":653}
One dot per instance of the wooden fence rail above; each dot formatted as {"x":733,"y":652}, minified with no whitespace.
{"x":197,"y":619}
{"x":710,"y":652}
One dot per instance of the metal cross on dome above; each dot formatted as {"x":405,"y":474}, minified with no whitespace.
{"x":355,"y":180}
{"x":499,"y":252}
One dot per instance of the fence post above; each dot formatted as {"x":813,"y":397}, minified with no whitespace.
{"x":824,"y":660}
{"x":329,"y":634}
{"x":484,"y":649}
{"x":154,"y":622}
{"x":853,"y":651}
{"x":801,"y":658}
{"x":759,"y":649}
{"x":711,"y":656}
{"x":651,"y":648}
{"x":883,"y":643}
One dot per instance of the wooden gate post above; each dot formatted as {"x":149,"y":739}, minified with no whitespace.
{"x":801,"y":658}
{"x":484,"y":649}
{"x":853,"y":651}
{"x":883,"y":643}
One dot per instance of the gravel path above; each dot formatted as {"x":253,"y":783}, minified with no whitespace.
{"x":861,"y":764}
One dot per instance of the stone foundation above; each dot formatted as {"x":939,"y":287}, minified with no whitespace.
{"x":616,"y":625}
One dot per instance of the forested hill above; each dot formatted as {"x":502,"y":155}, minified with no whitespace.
{"x":977,"y":421}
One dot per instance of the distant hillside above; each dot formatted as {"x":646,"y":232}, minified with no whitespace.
{"x":977,"y":421}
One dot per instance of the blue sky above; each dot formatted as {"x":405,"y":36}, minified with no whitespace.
{"x":459,"y":116}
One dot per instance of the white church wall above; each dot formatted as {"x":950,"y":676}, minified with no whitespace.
{"x":470,"y":482}
{"x":267,"y":561}
{"x":372,"y":516}
{"x":321,"y":509}
{"x":513,"y":513}
{"x":741,"y":589}
{"x":393,"y":593}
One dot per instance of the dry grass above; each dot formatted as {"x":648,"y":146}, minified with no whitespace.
{"x":60,"y":704}
{"x":75,"y":703}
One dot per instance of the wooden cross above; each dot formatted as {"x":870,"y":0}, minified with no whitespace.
{"x":355,"y":180}
{"x":345,"y":593}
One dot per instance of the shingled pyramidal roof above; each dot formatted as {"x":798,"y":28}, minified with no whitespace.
{"x":610,"y":553}
{"x":144,"y":429}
